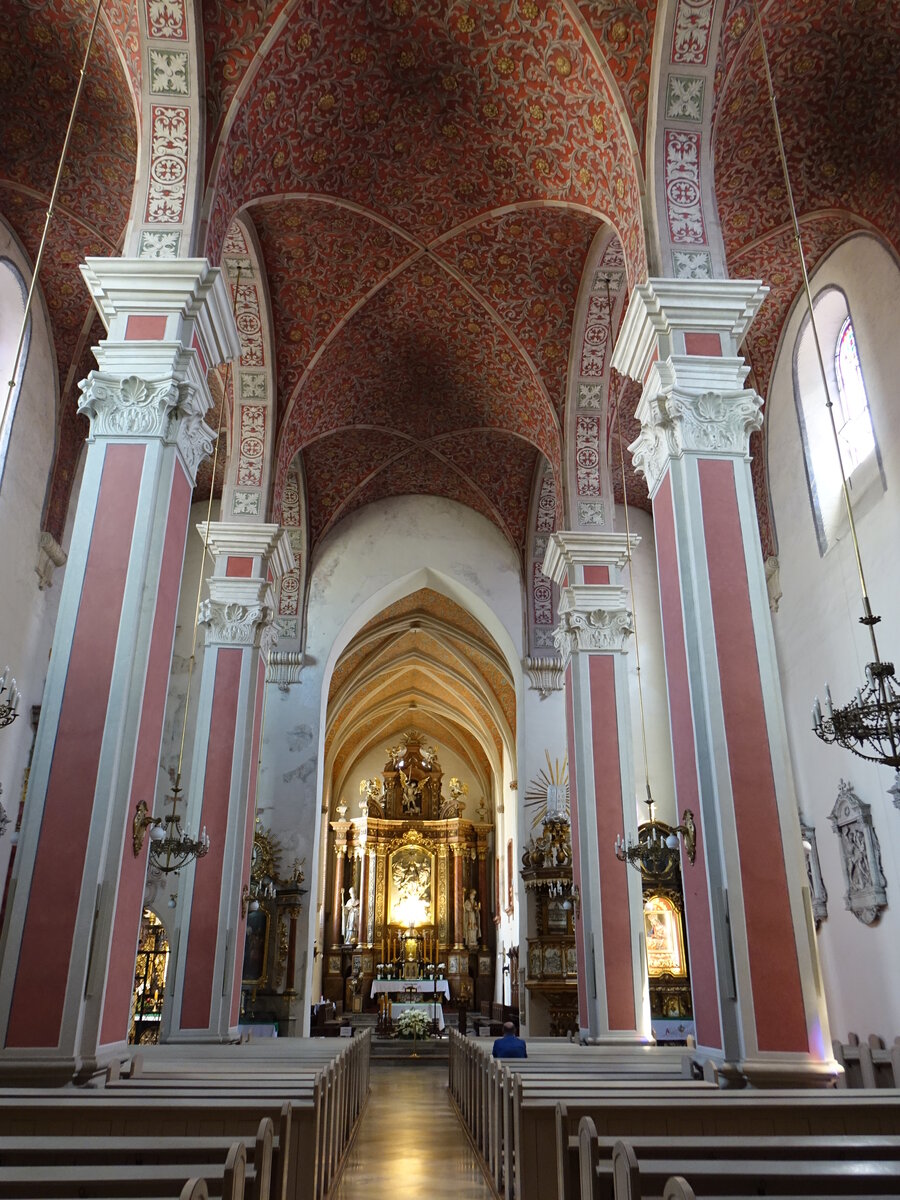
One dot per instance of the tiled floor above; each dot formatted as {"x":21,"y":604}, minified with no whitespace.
{"x":410,"y":1143}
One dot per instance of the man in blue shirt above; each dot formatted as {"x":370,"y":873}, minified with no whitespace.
{"x":509,"y":1046}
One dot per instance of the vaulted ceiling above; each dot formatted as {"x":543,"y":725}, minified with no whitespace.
{"x":426,"y":180}
{"x":423,"y":661}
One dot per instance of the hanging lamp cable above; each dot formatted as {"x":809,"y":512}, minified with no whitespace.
{"x":634,"y":622}
{"x":176,"y":789}
{"x":51,"y":208}
{"x":868,"y":619}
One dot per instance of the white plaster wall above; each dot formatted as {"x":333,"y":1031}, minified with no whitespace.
{"x":818,"y":637}
{"x":377,"y":555}
{"x":27,"y":615}
{"x":646,"y":608}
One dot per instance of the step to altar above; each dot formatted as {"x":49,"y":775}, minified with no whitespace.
{"x":425,"y":1050}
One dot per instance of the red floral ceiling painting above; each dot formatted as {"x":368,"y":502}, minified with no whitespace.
{"x":426,"y":181}
{"x":430,"y":115}
{"x":41,"y":51}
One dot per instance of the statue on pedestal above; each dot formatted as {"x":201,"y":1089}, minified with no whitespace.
{"x":472,"y":920}
{"x":351,"y":919}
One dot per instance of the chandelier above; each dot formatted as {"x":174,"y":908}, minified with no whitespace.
{"x":656,"y":852}
{"x":9,"y":708}
{"x":869,"y":726}
{"x":170,"y":847}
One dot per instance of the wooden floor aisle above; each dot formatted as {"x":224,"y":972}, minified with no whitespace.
{"x":410,"y":1143}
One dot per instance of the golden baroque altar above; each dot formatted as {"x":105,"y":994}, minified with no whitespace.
{"x":410,"y":871}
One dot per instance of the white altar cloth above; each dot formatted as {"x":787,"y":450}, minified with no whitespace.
{"x":441,"y":986}
{"x":431,"y":1011}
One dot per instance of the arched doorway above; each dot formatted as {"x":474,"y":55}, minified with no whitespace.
{"x":150,"y":967}
{"x":425,"y":679}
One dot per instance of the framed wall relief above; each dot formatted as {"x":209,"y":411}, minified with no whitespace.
{"x":817,"y":892}
{"x":865,"y":886}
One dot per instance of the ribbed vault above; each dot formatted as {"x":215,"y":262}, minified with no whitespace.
{"x":423,"y":662}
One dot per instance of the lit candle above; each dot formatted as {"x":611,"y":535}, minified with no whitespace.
{"x":3,"y":678}
{"x":828,"y":705}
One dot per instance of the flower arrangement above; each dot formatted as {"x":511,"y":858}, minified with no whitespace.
{"x":413,"y":1022}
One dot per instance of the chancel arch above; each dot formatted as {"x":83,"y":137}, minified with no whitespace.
{"x":426,"y":677}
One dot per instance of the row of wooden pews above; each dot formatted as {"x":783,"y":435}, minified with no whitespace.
{"x":592,"y":1123}
{"x":869,"y":1064}
{"x":267,"y":1120}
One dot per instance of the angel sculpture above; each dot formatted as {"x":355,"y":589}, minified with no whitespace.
{"x":412,"y":797}
{"x":372,"y":794}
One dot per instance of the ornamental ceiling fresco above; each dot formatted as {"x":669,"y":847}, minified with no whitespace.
{"x":427,"y":179}
{"x":41,"y":50}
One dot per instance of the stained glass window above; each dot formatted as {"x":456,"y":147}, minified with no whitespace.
{"x":854,"y":423}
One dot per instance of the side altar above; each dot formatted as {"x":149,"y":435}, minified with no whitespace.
{"x":410,"y":887}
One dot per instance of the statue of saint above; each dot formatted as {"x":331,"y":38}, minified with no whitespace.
{"x":351,"y":919}
{"x":472,"y":920}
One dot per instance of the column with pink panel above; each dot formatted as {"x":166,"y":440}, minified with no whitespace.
{"x":593,"y":638}
{"x":210,"y":925}
{"x":758,"y":1001}
{"x":76,"y":897}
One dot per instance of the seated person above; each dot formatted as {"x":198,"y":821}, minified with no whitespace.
{"x":509,"y":1046}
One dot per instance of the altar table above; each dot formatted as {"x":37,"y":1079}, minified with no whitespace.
{"x":440,"y":986}
{"x":434,"y":1012}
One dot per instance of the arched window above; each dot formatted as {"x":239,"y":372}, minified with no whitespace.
{"x":854,"y":424}
{"x":847,"y":392}
{"x":12,"y":308}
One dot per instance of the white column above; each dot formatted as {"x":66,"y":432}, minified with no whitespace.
{"x":593,"y":634}
{"x":210,"y":923}
{"x":75,"y":904}
{"x":758,"y":1000}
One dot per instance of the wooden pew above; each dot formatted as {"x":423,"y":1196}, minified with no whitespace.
{"x":43,"y":1151}
{"x":225,"y":1179}
{"x":637,"y":1178}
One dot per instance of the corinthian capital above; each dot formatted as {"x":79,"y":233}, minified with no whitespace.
{"x":131,"y":406}
{"x":675,"y":422}
{"x":600,"y":630}
{"x":232,"y":624}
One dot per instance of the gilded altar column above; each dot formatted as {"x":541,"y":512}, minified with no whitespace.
{"x":362,"y":858}
{"x":483,"y":893}
{"x":76,"y":896}
{"x":758,"y":1006}
{"x":459,"y":940}
{"x":593,"y":637}
{"x":370,"y":897}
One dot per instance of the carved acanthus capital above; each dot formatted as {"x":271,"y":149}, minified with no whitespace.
{"x":603,"y":630}
{"x":128,"y":407}
{"x":167,"y":408}
{"x":675,"y":422}
{"x":232,"y":624}
{"x":195,"y":441}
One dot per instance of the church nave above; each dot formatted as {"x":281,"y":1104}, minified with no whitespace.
{"x":410,"y":1142}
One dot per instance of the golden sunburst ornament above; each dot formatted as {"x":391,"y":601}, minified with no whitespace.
{"x":550,"y":791}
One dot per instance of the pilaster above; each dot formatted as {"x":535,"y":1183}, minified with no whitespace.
{"x":211,"y":922}
{"x":76,"y":897}
{"x":757,"y":1002}
{"x":593,"y":638}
